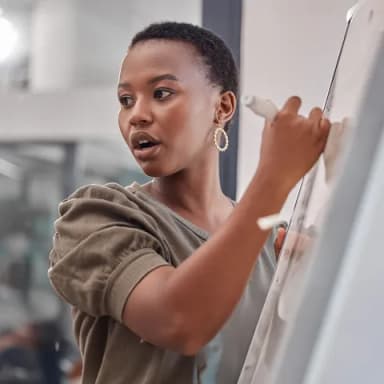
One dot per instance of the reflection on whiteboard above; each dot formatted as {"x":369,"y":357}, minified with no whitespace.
{"x":351,"y":74}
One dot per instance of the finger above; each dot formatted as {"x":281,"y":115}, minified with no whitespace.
{"x":281,"y":232}
{"x":277,"y":250}
{"x":325,"y":126}
{"x":323,"y":129}
{"x":315,"y":115}
{"x":292,"y":105}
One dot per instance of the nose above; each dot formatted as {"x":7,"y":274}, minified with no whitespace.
{"x":140,"y":113}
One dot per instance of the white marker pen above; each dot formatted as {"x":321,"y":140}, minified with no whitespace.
{"x":268,"y":222}
{"x":267,"y":109}
{"x":262,"y":107}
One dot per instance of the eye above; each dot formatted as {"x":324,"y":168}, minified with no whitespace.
{"x":126,"y":101}
{"x":162,"y":94}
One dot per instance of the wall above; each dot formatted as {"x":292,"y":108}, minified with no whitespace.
{"x":81,"y":43}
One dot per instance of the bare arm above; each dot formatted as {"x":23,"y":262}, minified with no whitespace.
{"x":183,"y":308}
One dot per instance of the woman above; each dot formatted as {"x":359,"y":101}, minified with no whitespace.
{"x":167,"y":279}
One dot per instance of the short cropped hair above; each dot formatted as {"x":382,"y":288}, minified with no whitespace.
{"x":221,"y":66}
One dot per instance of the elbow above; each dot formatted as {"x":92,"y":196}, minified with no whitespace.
{"x":186,"y":339}
{"x":190,"y":347}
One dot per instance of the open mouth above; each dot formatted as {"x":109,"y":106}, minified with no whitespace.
{"x":142,"y":141}
{"x":143,"y":144}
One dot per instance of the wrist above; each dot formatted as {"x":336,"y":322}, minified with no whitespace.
{"x":272,"y":182}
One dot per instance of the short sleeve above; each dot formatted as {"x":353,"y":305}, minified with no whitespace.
{"x":103,"y":246}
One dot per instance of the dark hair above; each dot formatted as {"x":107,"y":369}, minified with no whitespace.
{"x":222,"y":70}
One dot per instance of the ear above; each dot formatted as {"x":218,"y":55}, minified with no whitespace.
{"x":226,"y":107}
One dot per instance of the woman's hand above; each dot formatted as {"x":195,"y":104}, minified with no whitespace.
{"x":291,"y":143}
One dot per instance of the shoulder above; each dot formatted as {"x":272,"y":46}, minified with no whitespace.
{"x":101,"y":201}
{"x":104,"y":244}
{"x":111,"y":192}
{"x":111,"y":208}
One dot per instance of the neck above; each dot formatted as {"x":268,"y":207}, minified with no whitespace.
{"x":194,"y":194}
{"x":194,"y":189}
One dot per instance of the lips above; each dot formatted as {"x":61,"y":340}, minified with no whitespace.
{"x":144,"y":146}
{"x":143,"y":140}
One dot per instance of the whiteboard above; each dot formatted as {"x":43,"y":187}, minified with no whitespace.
{"x":313,"y":252}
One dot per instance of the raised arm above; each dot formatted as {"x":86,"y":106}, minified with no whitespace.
{"x":183,"y":308}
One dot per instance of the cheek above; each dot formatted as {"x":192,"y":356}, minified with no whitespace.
{"x":203,"y":114}
{"x":195,"y":116}
{"x":124,"y":129}
{"x":120,"y":121}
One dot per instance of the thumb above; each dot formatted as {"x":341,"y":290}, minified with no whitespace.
{"x":281,"y":232}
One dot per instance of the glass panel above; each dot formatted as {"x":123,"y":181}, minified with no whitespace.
{"x":55,"y":84}
{"x":36,"y":342}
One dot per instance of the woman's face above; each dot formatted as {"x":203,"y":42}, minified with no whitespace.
{"x":167,"y":106}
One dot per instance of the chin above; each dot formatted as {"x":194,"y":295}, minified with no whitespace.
{"x":155,"y":170}
{"x":160,"y":167}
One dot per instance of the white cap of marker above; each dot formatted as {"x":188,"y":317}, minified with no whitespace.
{"x":262,"y":107}
{"x":267,"y":222}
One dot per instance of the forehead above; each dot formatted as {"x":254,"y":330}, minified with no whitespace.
{"x":163,"y":56}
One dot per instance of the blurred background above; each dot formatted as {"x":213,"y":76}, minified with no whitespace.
{"x":59,"y":63}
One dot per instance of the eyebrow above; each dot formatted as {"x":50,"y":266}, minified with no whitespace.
{"x":155,"y":79}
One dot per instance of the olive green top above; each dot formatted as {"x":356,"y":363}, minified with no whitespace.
{"x":107,"y":238}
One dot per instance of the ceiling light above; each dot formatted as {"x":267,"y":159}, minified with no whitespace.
{"x":8,"y":38}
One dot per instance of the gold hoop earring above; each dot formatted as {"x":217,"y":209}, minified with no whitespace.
{"x":220,"y":131}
